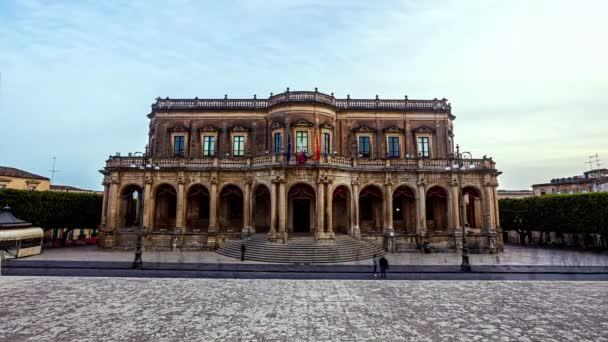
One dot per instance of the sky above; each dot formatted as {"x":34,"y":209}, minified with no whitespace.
{"x":527,"y":80}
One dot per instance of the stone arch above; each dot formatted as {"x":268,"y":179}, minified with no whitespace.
{"x":231,"y":208}
{"x":165,"y":206}
{"x":438,"y":209}
{"x":301,"y":205}
{"x":260,"y":206}
{"x":371,"y":209}
{"x":129,"y":206}
{"x":404,"y":209}
{"x":341,"y":197}
{"x":198,"y":203}
{"x":473,"y":206}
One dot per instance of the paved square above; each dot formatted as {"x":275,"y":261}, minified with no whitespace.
{"x":129,"y":309}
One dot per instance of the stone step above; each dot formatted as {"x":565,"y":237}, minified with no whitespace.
{"x":302,"y":249}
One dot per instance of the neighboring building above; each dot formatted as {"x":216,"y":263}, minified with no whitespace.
{"x":590,"y":181}
{"x":67,"y":188}
{"x":12,"y":178}
{"x":515,"y":194}
{"x":226,"y":168}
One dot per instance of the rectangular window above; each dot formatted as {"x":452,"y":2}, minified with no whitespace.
{"x":31,"y":187}
{"x":326,"y":143}
{"x":238,"y":146}
{"x":423,"y":147}
{"x":277,"y":143}
{"x":208,"y":146}
{"x":178,"y":145}
{"x":393,"y":147}
{"x":302,"y":141}
{"x":2,"y":186}
{"x":364,"y":147}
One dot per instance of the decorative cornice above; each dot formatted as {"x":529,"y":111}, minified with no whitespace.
{"x":276,"y":125}
{"x":179,"y":128}
{"x":364,"y":129}
{"x":423,"y":129}
{"x":302,"y":123}
{"x":208,"y":128}
{"x":239,"y":129}
{"x":393,"y":129}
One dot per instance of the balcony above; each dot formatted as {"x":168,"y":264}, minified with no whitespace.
{"x":327,"y":161}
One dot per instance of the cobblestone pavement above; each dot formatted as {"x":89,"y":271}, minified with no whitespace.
{"x":129,"y":309}
{"x":513,"y":255}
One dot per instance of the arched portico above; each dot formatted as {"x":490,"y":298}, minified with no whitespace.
{"x":404,"y":210}
{"x":437,"y":209}
{"x":371,"y":210}
{"x":231,"y":209}
{"x":301,"y":214}
{"x":261,"y":208}
{"x":341,"y":207}
{"x":129,"y":206}
{"x":165,"y":207}
{"x":472,"y":207}
{"x":197,"y":208}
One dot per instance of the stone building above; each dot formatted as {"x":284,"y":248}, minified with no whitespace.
{"x":13,"y":178}
{"x":300,"y":162}
{"x":590,"y":181}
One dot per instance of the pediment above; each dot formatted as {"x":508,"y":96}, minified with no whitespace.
{"x":276,"y":125}
{"x":327,"y":125}
{"x":239,"y":129}
{"x":364,"y":129}
{"x":423,"y":129}
{"x":393,"y":129}
{"x":208,"y":128}
{"x":179,"y":128}
{"x":302,"y":123}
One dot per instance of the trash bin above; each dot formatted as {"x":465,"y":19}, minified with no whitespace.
{"x":426,"y":247}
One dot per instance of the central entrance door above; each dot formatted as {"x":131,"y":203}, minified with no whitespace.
{"x":301,"y":216}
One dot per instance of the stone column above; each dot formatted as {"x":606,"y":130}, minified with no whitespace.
{"x":272,"y":234}
{"x":320,"y":209}
{"x":421,"y":228}
{"x":113,"y":205}
{"x":282,"y":211}
{"x":148,"y":201}
{"x":213,"y":206}
{"x":328,"y":211}
{"x":104,"y":205}
{"x":181,"y":207}
{"x":489,"y":206}
{"x":388,"y":227}
{"x":355,"y":210}
{"x":495,"y":205}
{"x":454,"y":189}
{"x":247,"y":209}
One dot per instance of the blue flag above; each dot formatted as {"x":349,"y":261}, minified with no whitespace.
{"x":288,"y":152}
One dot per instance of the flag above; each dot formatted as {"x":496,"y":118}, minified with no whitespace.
{"x":317,"y":148}
{"x":288,"y":152}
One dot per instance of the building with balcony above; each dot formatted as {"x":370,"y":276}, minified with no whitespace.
{"x":303,"y":163}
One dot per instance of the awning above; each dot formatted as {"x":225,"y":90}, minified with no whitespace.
{"x":20,"y":234}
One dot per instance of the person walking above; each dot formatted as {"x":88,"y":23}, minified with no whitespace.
{"x":383,"y":267}
{"x":243,"y":249}
{"x":375,"y":261}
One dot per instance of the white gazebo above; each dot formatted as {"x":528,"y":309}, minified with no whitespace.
{"x":17,"y":237}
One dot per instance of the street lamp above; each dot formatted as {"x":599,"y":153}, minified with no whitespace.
{"x":465,"y":266}
{"x":145,"y":165}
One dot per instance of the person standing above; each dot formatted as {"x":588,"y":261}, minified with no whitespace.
{"x":375,"y":261}
{"x":243,"y":249}
{"x":383,"y":267}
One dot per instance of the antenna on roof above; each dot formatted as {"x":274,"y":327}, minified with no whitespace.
{"x":594,"y":159}
{"x":53,"y":170}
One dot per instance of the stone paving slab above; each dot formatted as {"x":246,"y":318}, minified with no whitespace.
{"x":129,"y":309}
{"x":513,"y":255}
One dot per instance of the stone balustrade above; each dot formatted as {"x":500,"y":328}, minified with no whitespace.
{"x":279,"y":161}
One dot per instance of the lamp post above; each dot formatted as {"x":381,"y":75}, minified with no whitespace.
{"x":465,"y":266}
{"x":137,"y":262}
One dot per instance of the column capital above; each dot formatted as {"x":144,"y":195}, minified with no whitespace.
{"x":324,"y":180}
{"x":278,"y":180}
{"x":355,"y":181}
{"x":213,"y":180}
{"x":454,"y":182}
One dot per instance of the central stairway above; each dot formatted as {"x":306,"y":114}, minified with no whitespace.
{"x":302,"y":249}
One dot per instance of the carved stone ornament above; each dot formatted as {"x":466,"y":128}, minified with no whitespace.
{"x":393,"y":129}
{"x":302,"y":123}
{"x":275,"y":125}
{"x":327,"y":125}
{"x":239,"y":129}
{"x":355,"y":181}
{"x":179,"y":128}
{"x":423,"y":129}
{"x":213,"y":180}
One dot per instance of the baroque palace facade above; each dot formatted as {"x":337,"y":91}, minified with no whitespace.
{"x":228,"y":168}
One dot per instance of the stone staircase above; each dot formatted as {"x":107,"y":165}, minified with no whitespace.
{"x":302,"y":249}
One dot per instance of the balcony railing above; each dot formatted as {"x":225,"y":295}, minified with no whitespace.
{"x":434,"y":105}
{"x":279,"y":161}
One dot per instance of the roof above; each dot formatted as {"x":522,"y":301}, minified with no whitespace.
{"x":21,"y":234}
{"x":13,"y":172}
{"x":66,"y":188}
{"x":8,"y":220}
